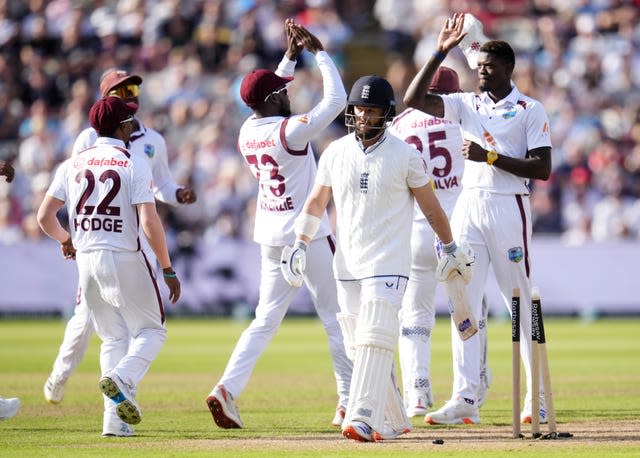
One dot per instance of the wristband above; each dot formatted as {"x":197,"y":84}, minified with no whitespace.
{"x":439,"y":55}
{"x":307,"y":225}
{"x":300,"y":244}
{"x":449,"y":248}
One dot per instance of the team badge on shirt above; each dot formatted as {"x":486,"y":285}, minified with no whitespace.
{"x":149,"y":150}
{"x":515,"y":254}
{"x":364,"y":182}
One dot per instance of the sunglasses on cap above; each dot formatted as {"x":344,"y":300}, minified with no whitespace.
{"x":283,"y":88}
{"x":125,"y":92}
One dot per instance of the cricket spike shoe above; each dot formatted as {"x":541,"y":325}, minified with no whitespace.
{"x":418,"y":402}
{"x":455,"y":412}
{"x":358,"y":431}
{"x":126,"y":407}
{"x":223,"y":408}
{"x":525,"y":416}
{"x":9,"y":407}
{"x":54,"y":389}
{"x":339,"y":416}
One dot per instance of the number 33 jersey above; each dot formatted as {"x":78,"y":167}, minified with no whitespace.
{"x":440,"y":143}
{"x":101,"y":187}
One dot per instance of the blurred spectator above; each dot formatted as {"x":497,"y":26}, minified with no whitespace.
{"x":581,"y":59}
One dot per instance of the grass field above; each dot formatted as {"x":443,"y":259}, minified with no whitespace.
{"x":289,"y":402}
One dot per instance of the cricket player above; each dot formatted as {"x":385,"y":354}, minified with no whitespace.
{"x":108,"y":195}
{"x":276,"y":147}
{"x":146,"y":143}
{"x":440,"y":143}
{"x":373,"y":178}
{"x":507,"y":143}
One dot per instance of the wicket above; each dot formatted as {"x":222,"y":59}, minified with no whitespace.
{"x":515,"y":361}
{"x":539,"y":363}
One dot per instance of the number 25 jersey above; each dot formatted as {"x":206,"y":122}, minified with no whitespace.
{"x":101,"y":187}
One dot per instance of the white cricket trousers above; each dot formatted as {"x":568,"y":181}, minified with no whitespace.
{"x":417,"y":315}
{"x":275,"y":297}
{"x":498,"y":228}
{"x":79,"y":329}
{"x":124,"y":300}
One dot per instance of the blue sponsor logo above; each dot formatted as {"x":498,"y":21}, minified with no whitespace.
{"x":149,"y":150}
{"x":515,"y":254}
{"x":464,"y":325}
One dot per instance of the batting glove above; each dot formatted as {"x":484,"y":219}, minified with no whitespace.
{"x":293,"y":262}
{"x":455,"y":259}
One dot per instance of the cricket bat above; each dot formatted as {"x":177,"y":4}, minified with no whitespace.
{"x":459,"y":306}
{"x":536,"y":305}
{"x":515,"y":362}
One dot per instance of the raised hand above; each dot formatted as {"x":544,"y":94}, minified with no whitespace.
{"x":294,"y":44}
{"x":306,"y":38}
{"x":451,"y":33}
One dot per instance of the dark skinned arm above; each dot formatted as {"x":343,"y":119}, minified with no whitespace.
{"x":537,"y":164}
{"x":417,"y":95}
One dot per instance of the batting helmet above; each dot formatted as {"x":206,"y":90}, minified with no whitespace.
{"x":371,"y":91}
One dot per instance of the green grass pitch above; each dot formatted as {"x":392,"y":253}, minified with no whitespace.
{"x":289,"y":402}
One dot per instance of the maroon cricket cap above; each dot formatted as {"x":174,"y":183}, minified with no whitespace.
{"x":258,"y":84}
{"x":445,"y":80}
{"x":107,"y":113}
{"x":116,"y":77}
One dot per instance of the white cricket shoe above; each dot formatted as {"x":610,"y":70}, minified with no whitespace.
{"x":485,"y":383}
{"x":338,"y":418}
{"x":113,"y":426}
{"x":9,"y":407}
{"x":223,"y":408}
{"x":525,"y":416}
{"x":455,"y":412}
{"x":54,"y":389}
{"x":418,"y":402}
{"x":126,"y":407}
{"x":358,"y":431}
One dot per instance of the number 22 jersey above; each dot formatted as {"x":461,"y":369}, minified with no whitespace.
{"x":101,"y":187}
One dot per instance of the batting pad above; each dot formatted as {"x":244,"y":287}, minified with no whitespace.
{"x":394,"y":411}
{"x":376,"y":339}
{"x":348,"y":323}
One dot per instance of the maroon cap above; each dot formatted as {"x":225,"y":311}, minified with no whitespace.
{"x":258,"y":84}
{"x":116,"y":77}
{"x":107,"y":113}
{"x":445,"y":80}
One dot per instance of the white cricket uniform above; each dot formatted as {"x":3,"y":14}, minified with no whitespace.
{"x":440,"y":143}
{"x":144,"y":143}
{"x":374,"y":205}
{"x":374,"y":208}
{"x":493,"y":214}
{"x":278,"y":153}
{"x":100,"y":188}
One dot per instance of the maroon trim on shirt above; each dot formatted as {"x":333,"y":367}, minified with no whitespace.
{"x":123,"y":151}
{"x":283,"y":140}
{"x":522,"y":103}
{"x":155,"y":285}
{"x":523,"y":217}
{"x":400,"y":116}
{"x":87,"y":149}
{"x":332,"y":244}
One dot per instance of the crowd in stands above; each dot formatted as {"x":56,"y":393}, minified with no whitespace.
{"x":581,"y":58}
